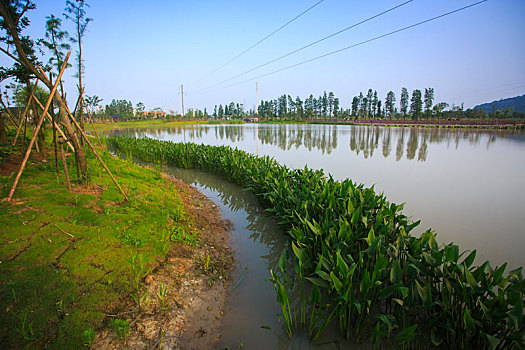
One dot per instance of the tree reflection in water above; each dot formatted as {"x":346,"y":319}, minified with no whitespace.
{"x":410,"y":143}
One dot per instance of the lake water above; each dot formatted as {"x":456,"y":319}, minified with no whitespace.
{"x":467,"y":185}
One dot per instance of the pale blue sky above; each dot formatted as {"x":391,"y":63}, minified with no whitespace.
{"x":143,"y":51}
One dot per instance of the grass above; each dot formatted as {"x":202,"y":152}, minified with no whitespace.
{"x":56,"y":289}
{"x":354,"y":260}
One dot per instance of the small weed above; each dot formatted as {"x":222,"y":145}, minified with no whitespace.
{"x":26,"y":327}
{"x":163,"y":293}
{"x":121,"y":329}
{"x":88,"y":336}
{"x":132,"y":239}
{"x":180,"y":235}
{"x":11,"y":285}
{"x":140,"y":271}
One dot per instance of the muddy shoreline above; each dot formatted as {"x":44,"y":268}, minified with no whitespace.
{"x":197,"y":281}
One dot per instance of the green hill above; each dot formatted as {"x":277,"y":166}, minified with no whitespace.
{"x":516,"y":103}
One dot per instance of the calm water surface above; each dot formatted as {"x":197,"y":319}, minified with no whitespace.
{"x":467,"y":185}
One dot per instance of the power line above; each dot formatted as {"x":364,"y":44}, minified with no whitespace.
{"x":260,"y":41}
{"x":307,"y":46}
{"x":354,"y":45}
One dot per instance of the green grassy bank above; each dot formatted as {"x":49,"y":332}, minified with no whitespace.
{"x":65,"y":256}
{"x":355,"y":262}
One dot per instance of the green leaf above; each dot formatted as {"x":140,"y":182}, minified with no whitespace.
{"x":470,"y":278}
{"x":396,"y":273}
{"x":470,"y":259}
{"x":468,"y":321}
{"x":341,"y":263}
{"x":492,"y":340}
{"x":407,"y":334}
{"x":436,"y":337}
{"x":282,"y":260}
{"x":314,"y":229}
{"x":399,"y":301}
{"x":337,"y":283}
{"x":298,"y":253}
{"x":323,"y":275}
{"x":318,"y":282}
{"x":365,"y":283}
{"x":404,"y":291}
{"x":387,"y":291}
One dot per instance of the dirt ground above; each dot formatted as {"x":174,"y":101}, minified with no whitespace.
{"x":197,"y":281}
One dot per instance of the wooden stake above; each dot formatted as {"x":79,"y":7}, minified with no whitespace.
{"x":28,"y":152}
{"x":96,"y":154}
{"x":64,"y":163}
{"x":24,"y":116}
{"x":8,"y":115}
{"x":55,"y":124}
{"x":82,"y":106}
{"x":67,"y":233}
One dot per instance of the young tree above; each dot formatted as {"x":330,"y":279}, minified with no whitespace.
{"x":75,"y":11}
{"x":55,"y":44}
{"x":429,"y":98}
{"x":331,"y":97}
{"x":324,"y":104}
{"x":403,"y":102}
{"x":13,"y":23}
{"x":355,"y":106}
{"x":390,"y":103}
{"x":369,"y":99}
{"x":299,"y":107}
{"x":416,"y":104}
{"x":140,"y":108}
{"x":374,"y":104}
{"x":336,"y":107}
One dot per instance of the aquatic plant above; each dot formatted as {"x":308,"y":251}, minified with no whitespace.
{"x":355,"y":261}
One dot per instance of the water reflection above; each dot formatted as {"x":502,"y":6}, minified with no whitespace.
{"x":257,"y":242}
{"x":365,"y":141}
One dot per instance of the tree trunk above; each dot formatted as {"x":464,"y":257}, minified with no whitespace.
{"x":3,"y":138}
{"x":71,"y":135}
{"x":41,"y":140}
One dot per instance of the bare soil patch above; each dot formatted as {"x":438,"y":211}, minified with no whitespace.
{"x":197,"y":281}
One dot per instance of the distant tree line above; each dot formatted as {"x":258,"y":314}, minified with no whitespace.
{"x":419,"y":105}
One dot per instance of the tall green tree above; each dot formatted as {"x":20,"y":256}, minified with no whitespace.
{"x":355,"y":106}
{"x":429,"y":99}
{"x":369,"y":100}
{"x":374,"y":104}
{"x":75,"y":11}
{"x":416,"y":104}
{"x":331,"y":97}
{"x":403,"y":102}
{"x":57,"y":45}
{"x":390,"y":102}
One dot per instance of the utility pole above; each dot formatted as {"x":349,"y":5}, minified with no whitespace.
{"x":182,"y":95}
{"x":256,"y":97}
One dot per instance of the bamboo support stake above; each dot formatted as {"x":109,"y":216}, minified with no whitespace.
{"x":41,"y":120}
{"x":8,"y":115}
{"x":83,"y":105}
{"x":64,"y":162}
{"x":96,"y":154}
{"x":24,"y":116}
{"x":55,"y":124}
{"x":67,"y":233}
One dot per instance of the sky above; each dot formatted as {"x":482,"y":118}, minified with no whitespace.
{"x":143,"y":51}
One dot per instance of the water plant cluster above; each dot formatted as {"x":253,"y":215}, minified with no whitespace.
{"x":355,"y":262}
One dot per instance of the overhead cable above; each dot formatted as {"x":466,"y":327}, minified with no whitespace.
{"x":257,"y":43}
{"x":353,"y":46}
{"x":306,"y":46}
